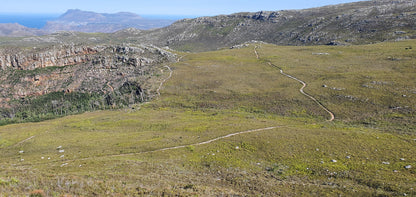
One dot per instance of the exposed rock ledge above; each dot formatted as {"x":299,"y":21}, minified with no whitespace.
{"x":74,"y":55}
{"x":94,"y":70}
{"x":56,"y":56}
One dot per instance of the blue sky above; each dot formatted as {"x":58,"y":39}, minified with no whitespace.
{"x":159,"y":7}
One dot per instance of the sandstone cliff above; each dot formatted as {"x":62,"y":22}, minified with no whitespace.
{"x":73,"y":55}
{"x":100,"y":69}
{"x":56,"y":56}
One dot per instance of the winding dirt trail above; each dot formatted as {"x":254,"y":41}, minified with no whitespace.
{"x":161,"y":149}
{"x":204,"y":142}
{"x":195,"y":144}
{"x":181,"y":146}
{"x":170,"y":76}
{"x":23,"y":141}
{"x":66,"y":161}
{"x":332,"y":116}
{"x":161,"y":83}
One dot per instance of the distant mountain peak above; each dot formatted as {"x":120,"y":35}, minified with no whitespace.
{"x":88,"y":21}
{"x":77,"y":15}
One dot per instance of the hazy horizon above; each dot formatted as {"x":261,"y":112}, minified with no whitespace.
{"x":160,"y":7}
{"x":38,"y":20}
{"x":35,"y":14}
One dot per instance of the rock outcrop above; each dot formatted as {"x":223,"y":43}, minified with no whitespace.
{"x":352,"y":23}
{"x":87,"y":69}
{"x":56,"y":56}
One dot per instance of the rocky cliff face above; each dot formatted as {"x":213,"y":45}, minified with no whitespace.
{"x":74,"y":55}
{"x":353,"y":23}
{"x":101,"y":69}
{"x":56,"y":56}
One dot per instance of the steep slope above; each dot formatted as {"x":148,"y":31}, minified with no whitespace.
{"x":352,"y":23}
{"x":85,"y":21}
{"x":74,"y":78}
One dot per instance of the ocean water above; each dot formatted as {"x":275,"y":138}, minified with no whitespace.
{"x":39,"y":20}
{"x":28,"y":20}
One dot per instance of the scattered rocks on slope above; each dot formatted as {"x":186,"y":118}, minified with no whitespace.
{"x":343,"y":24}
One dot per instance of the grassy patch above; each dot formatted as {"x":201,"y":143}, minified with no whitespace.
{"x":369,"y":85}
{"x":123,"y":152}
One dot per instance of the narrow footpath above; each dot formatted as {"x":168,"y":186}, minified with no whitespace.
{"x":332,"y":116}
{"x":199,"y":143}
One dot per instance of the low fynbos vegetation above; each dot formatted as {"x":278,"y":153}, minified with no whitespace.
{"x":180,"y":145}
{"x":370,"y":85}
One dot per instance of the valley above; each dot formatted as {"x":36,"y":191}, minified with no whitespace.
{"x":313,"y":102}
{"x":279,"y":141}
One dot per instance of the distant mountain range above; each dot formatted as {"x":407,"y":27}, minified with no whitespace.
{"x":343,"y":24}
{"x":85,"y":21}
